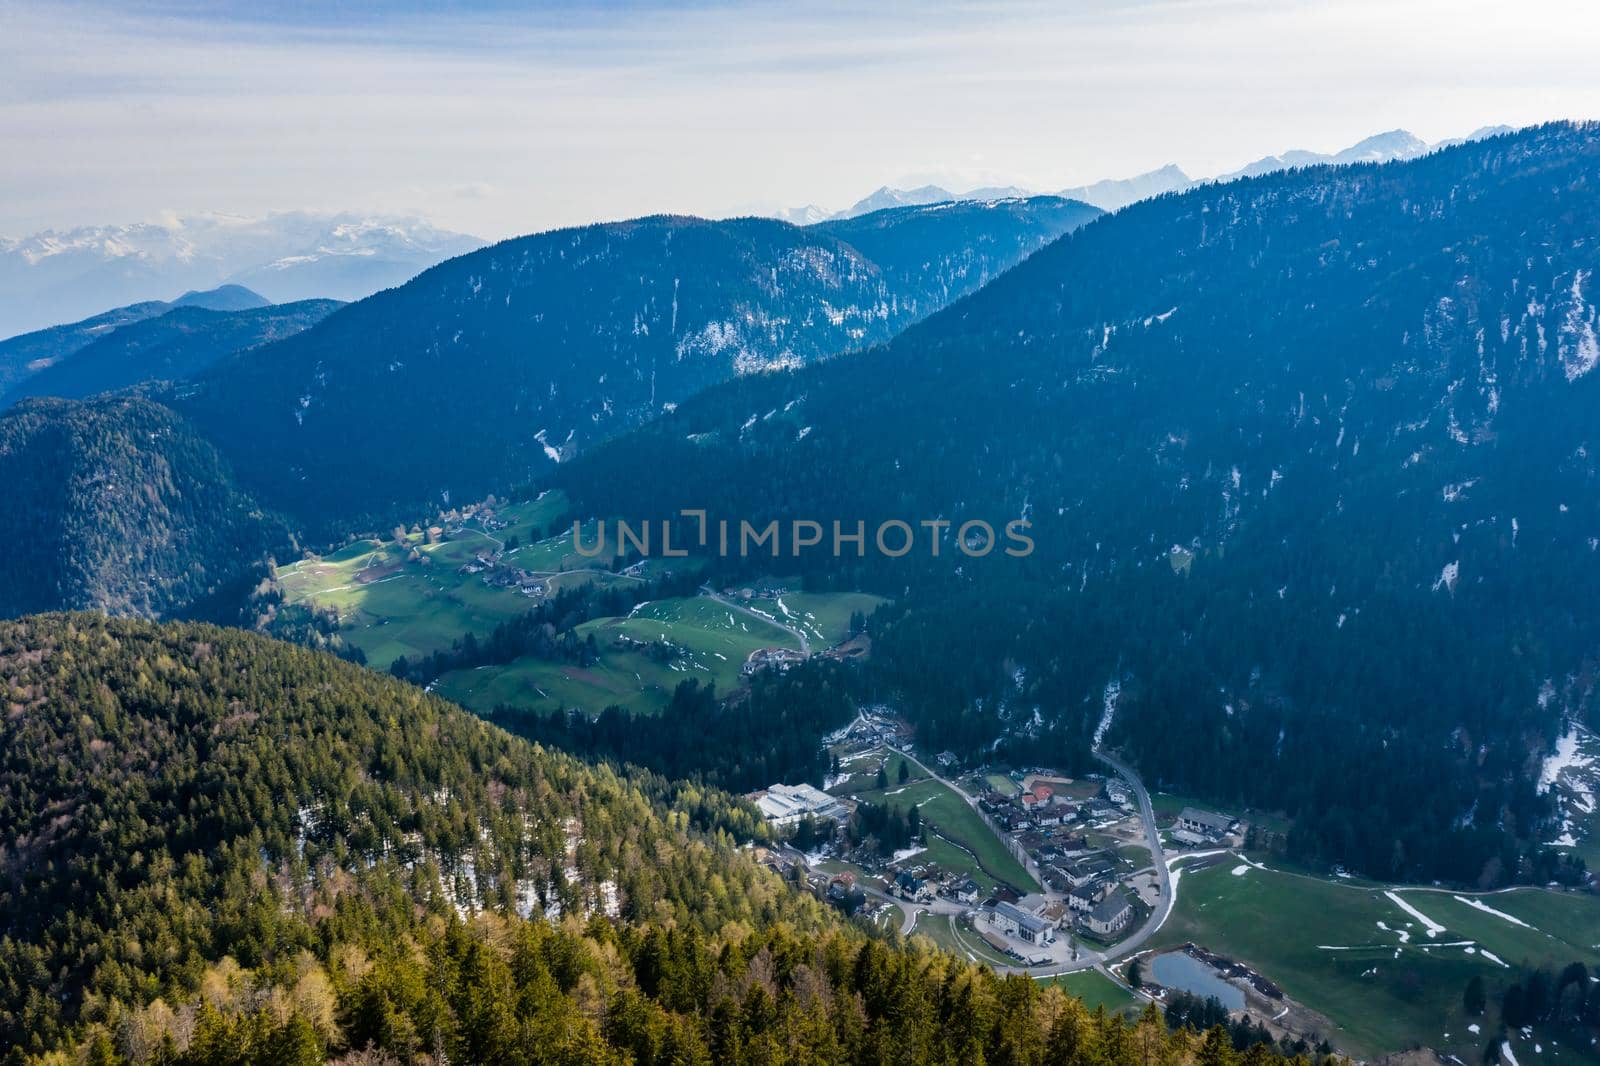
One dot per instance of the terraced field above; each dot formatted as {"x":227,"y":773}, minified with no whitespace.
{"x":1388,"y":967}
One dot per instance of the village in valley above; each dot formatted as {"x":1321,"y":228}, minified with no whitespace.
{"x":1071,"y":878}
{"x":1025,"y":869}
{"x":1075,"y":880}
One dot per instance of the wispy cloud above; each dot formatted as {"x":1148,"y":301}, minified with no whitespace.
{"x":496,"y":118}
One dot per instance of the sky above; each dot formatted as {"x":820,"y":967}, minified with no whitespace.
{"x":494,"y":118}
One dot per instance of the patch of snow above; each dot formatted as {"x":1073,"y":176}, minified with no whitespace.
{"x":1433,"y":928}
{"x":1567,"y":757}
{"x":1109,"y":703}
{"x":1478,"y":904}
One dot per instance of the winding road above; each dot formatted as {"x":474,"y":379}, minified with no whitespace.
{"x":1088,"y":959}
{"x":805,"y":645}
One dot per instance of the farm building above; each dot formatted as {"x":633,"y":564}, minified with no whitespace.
{"x":1206,"y":823}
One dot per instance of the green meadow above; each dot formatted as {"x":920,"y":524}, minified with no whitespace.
{"x":969,"y":846}
{"x":710,"y":642}
{"x":408,"y":597}
{"x":1347,"y":950}
{"x":1098,"y":990}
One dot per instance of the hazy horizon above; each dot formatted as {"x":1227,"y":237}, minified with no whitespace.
{"x":493,"y":121}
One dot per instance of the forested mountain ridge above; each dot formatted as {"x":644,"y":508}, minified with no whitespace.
{"x":487,"y":368}
{"x":117,"y":505}
{"x":1309,"y":459}
{"x":168,"y":347}
{"x":223,"y":849}
{"x":27,"y":354}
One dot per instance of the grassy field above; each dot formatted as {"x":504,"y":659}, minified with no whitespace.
{"x":712,"y":641}
{"x":1098,"y":990}
{"x":951,"y":856}
{"x":824,"y":617}
{"x":1002,"y":784}
{"x":1350,"y":952}
{"x":390,"y":604}
{"x":965,"y":944}
{"x":942,"y":808}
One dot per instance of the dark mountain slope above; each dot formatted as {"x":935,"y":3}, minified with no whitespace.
{"x":170,"y":347}
{"x":220,"y":849}
{"x":1311,"y":464}
{"x":117,"y":505}
{"x":486,"y":368}
{"x":29,"y":353}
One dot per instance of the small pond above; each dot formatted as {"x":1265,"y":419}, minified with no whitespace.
{"x":1178,"y":970}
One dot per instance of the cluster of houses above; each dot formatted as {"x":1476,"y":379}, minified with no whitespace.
{"x":873,"y":727}
{"x":779,"y":659}
{"x":1051,"y":828}
{"x":924,"y":883}
{"x":765,"y":592}
{"x":497,"y":575}
{"x":1040,"y":807}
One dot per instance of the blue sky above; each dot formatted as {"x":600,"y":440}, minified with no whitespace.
{"x":498,"y":118}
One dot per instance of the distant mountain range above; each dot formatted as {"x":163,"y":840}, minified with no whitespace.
{"x":1114,"y":194}
{"x":473,"y":377}
{"x":28,"y":354}
{"x":61,"y":276}
{"x":170,"y":346}
{"x":155,"y":340}
{"x":484,"y":371}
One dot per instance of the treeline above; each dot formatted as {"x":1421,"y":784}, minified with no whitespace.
{"x":173,"y":795}
{"x":884,"y":828}
{"x":752,"y":739}
{"x":545,"y":632}
{"x":1185,"y":1010}
{"x":1542,"y":996}
{"x":118,"y":505}
{"x":525,"y":993}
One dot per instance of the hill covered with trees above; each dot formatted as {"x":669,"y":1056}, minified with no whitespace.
{"x":490,"y":367}
{"x":169,"y":347}
{"x":1309,"y":461}
{"x":223,"y":849}
{"x":117,"y":505}
{"x":31,"y":353}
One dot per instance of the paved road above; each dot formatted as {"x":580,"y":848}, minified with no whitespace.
{"x":1087,"y":958}
{"x":1165,"y":897}
{"x":805,"y":645}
